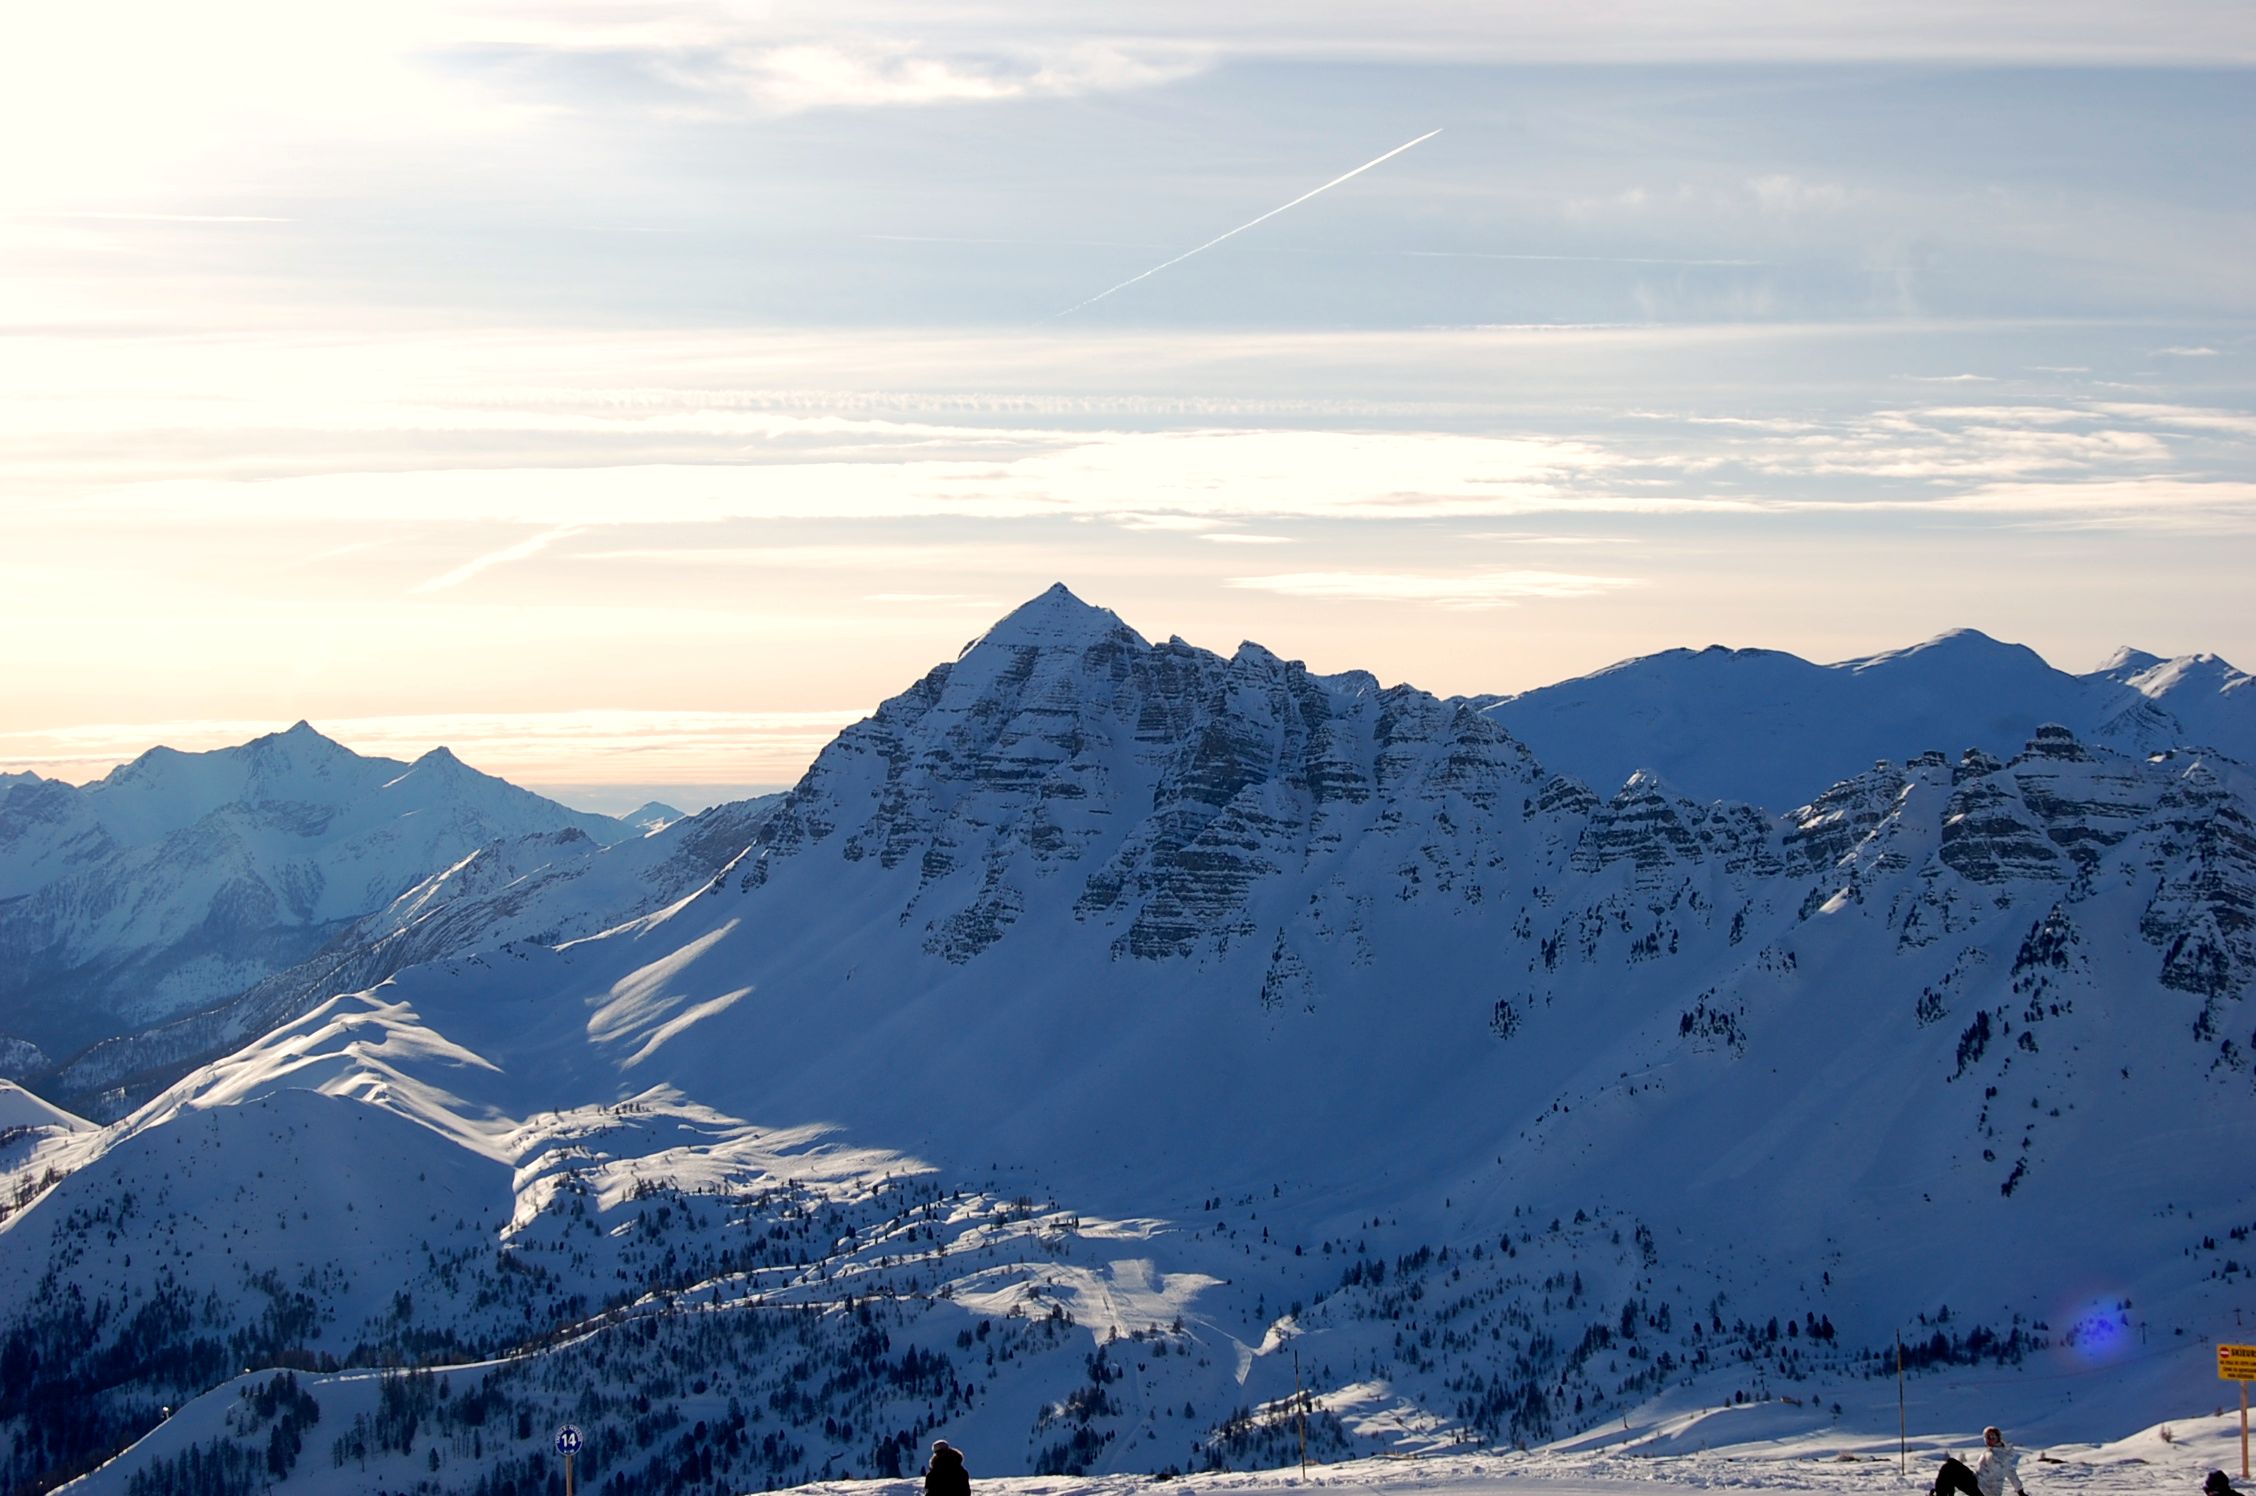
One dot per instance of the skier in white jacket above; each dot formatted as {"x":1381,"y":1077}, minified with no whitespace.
{"x":2000,"y":1468}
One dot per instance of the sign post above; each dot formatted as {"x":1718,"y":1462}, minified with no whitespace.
{"x":567,"y":1445}
{"x":2237,"y":1363}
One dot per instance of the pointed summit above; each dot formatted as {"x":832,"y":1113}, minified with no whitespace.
{"x":1055,"y":619}
{"x":2127,"y":662}
{"x":298,"y":738}
{"x":438,"y":766}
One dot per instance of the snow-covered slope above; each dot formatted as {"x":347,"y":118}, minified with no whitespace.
{"x":542,"y":888}
{"x":1772,"y":729}
{"x":20,"y":1109}
{"x":2212,"y":702}
{"x":182,"y":878}
{"x":1101,"y":1028}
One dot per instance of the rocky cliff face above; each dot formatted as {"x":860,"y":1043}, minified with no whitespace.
{"x":1152,"y":788}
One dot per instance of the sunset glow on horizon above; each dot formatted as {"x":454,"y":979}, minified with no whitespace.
{"x":636,"y":397}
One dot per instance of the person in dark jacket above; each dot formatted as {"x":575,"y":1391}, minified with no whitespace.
{"x":944,"y":1473}
{"x":2218,"y":1485}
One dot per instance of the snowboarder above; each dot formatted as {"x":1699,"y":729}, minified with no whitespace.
{"x":2218,"y":1485}
{"x":2000,"y":1468}
{"x":944,"y":1473}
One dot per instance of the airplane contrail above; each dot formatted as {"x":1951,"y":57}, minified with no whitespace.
{"x":1241,"y":228}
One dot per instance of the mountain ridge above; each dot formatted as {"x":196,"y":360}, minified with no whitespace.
{"x":1766,"y":727}
{"x":1155,"y":1021}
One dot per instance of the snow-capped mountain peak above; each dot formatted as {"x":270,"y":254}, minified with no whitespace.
{"x":1959,"y":648}
{"x":2127,"y":661}
{"x":1053,"y":618}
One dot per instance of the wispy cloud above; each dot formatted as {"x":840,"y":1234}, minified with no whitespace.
{"x":2144,"y":503}
{"x":532,"y":545}
{"x":1462,"y":590}
{"x":2187,"y":352}
{"x":1420,"y":30}
{"x":1530,"y":537}
{"x":2185,"y":417}
{"x":123,"y":217}
{"x":1477,"y":254}
{"x":985,"y":601}
{"x":877,"y":74}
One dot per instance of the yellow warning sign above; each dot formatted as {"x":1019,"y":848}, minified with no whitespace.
{"x":2236,"y":1363}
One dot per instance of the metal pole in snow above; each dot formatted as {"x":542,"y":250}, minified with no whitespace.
{"x":1903,"y":1420}
{"x":1300,"y":1401}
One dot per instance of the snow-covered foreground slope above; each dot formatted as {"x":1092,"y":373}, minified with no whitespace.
{"x":1772,"y":729}
{"x":1103,"y":1030}
{"x":1768,"y":1447}
{"x":182,"y":878}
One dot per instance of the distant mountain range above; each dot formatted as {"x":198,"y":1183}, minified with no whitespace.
{"x":1101,"y":1029}
{"x":1772,"y":729}
{"x":182,"y":878}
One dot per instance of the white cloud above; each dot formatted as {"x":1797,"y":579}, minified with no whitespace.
{"x":2130,"y":496}
{"x":1462,"y":590}
{"x":2185,"y":417}
{"x":1529,"y":537}
{"x":2025,"y":415}
{"x":862,"y":74}
{"x":1182,"y":480}
{"x":2194,"y":352}
{"x":1782,"y":194}
{"x":2136,"y":503}
{"x":1954,"y":443}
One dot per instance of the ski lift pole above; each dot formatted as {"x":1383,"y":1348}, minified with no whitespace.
{"x":1300,"y":1402}
{"x":1903,"y":1418}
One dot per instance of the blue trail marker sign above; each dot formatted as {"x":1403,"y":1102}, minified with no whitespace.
{"x":567,"y":1445}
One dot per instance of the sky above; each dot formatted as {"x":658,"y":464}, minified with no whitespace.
{"x":632,"y":395}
